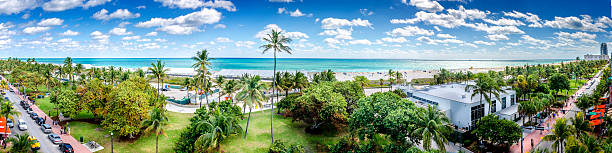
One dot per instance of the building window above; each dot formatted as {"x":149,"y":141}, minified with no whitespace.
{"x":503,"y":103}
{"x":494,"y":106}
{"x":512,"y":102}
{"x":477,"y":113}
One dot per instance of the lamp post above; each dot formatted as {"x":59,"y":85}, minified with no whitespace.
{"x":111,"y":142}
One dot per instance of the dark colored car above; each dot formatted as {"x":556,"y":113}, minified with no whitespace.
{"x":33,"y":115}
{"x":39,"y":120}
{"x":25,"y":106}
{"x":65,"y":148}
{"x":29,"y":110}
{"x":9,"y":122}
{"x":55,"y":138}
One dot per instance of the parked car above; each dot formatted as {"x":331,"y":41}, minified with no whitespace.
{"x":11,"y":90}
{"x":33,"y":115}
{"x":55,"y":138}
{"x":25,"y":106}
{"x":35,"y":145}
{"x":22,"y":125}
{"x":46,"y":128}
{"x":65,"y":148}
{"x":9,"y":122}
{"x":29,"y":110}
{"x":39,"y":120}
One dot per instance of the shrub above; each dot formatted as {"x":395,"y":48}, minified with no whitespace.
{"x":280,"y":146}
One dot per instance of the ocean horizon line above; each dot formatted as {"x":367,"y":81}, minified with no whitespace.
{"x":415,"y":59}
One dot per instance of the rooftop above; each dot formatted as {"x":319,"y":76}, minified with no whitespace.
{"x":454,"y":91}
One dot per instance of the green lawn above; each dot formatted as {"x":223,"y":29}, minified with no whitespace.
{"x":258,"y":138}
{"x":146,"y":143}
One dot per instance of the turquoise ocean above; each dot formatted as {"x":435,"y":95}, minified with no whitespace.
{"x":307,"y":64}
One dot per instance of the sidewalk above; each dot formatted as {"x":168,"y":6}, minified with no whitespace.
{"x":536,"y":136}
{"x":76,"y":145}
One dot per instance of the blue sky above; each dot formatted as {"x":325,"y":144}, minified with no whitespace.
{"x":407,"y":29}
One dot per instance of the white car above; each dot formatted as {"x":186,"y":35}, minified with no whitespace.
{"x":22,"y":125}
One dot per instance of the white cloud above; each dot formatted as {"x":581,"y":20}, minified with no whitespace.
{"x":410,"y":31}
{"x":395,"y":40}
{"x":227,"y":5}
{"x":295,"y":35}
{"x":428,"y":5}
{"x":119,"y":32}
{"x":151,"y":34}
{"x":248,"y":44}
{"x":143,"y":40}
{"x":529,"y":17}
{"x":34,"y":30}
{"x":25,"y":16}
{"x":496,"y":29}
{"x":222,"y":26}
{"x":99,"y":36}
{"x":296,"y":13}
{"x":338,"y":33}
{"x":161,"y":40}
{"x":131,"y":38}
{"x":504,"y":22}
{"x":575,"y":23}
{"x":141,"y":7}
{"x":118,"y":14}
{"x":576,"y":35}
{"x":484,"y":43}
{"x":92,"y":3}
{"x":51,"y":22}
{"x":360,"y":42}
{"x":605,"y":20}
{"x":452,"y":19}
{"x":61,"y":5}
{"x":497,"y":37}
{"x":440,"y":35}
{"x":268,"y":29}
{"x":185,"y":24}
{"x":365,"y":12}
{"x":9,"y":7}
{"x":334,"y":23}
{"x":70,"y":33}
{"x":65,"y":40}
{"x":530,"y":40}
{"x":183,"y":4}
{"x":223,"y":40}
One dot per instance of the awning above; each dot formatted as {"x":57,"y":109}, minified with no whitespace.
{"x":3,"y":128}
{"x":596,"y":116}
{"x":595,"y":122}
{"x":599,"y":107}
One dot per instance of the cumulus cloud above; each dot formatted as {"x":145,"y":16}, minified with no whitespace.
{"x":365,"y":12}
{"x":441,"y":35}
{"x":99,"y":36}
{"x":193,"y":4}
{"x":223,"y":40}
{"x":497,"y":37}
{"x":227,"y":5}
{"x":452,"y":19}
{"x":118,"y":14}
{"x":575,"y":23}
{"x":529,"y":17}
{"x":360,"y":42}
{"x":268,"y":29}
{"x":69,"y":33}
{"x":395,"y":40}
{"x":296,"y":13}
{"x":428,"y":5}
{"x":131,"y":38}
{"x":151,"y":34}
{"x":338,"y":33}
{"x":34,"y":30}
{"x":504,"y":22}
{"x":484,"y":43}
{"x":92,"y":3}
{"x":185,"y":24}
{"x":9,"y":7}
{"x":334,"y":23}
{"x":221,"y":26}
{"x":410,"y":31}
{"x":51,"y":22}
{"x":530,"y":40}
{"x":61,"y":5}
{"x":248,"y":44}
{"x":496,"y":29}
{"x":282,"y":1}
{"x":119,"y":31}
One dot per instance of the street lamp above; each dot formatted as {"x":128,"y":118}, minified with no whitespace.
{"x":111,"y":142}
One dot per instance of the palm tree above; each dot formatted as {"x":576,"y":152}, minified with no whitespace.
{"x":277,"y":43}
{"x":202,"y":62}
{"x":580,"y":124}
{"x":8,"y":111}
{"x":398,"y":76}
{"x":20,"y":143}
{"x":433,"y":125}
{"x":187,"y":84}
{"x":68,"y":68}
{"x":382,"y":82}
{"x":156,"y":123}
{"x":219,"y":81}
{"x":251,"y":94}
{"x":362,"y":80}
{"x":230,"y":87}
{"x":391,"y":74}
{"x":480,"y":88}
{"x":217,"y":128}
{"x":159,"y":71}
{"x":300,"y":81}
{"x":560,"y":133}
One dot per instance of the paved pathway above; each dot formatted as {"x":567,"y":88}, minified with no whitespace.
{"x":77,"y":146}
{"x":536,"y":136}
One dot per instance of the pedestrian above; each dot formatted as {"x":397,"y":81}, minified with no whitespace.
{"x":532,"y":143}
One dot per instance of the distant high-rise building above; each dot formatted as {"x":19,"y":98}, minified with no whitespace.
{"x":604,"y":49}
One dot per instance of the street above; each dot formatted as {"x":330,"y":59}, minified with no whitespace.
{"x":33,"y":129}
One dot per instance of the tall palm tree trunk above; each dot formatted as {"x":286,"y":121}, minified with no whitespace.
{"x":247,"y":127}
{"x":156,"y":142}
{"x":206,"y":92}
{"x":272,"y":109}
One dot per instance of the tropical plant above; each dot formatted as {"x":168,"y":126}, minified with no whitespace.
{"x":20,"y":143}
{"x":560,"y":132}
{"x":156,"y":122}
{"x":219,"y":81}
{"x":202,"y":62}
{"x":362,"y":80}
{"x":433,"y":125}
{"x":251,"y":95}
{"x":276,"y":42}
{"x":160,"y":72}
{"x":230,"y":87}
{"x":8,"y":111}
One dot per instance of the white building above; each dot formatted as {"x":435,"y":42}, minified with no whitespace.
{"x":459,"y":106}
{"x":589,"y":57}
